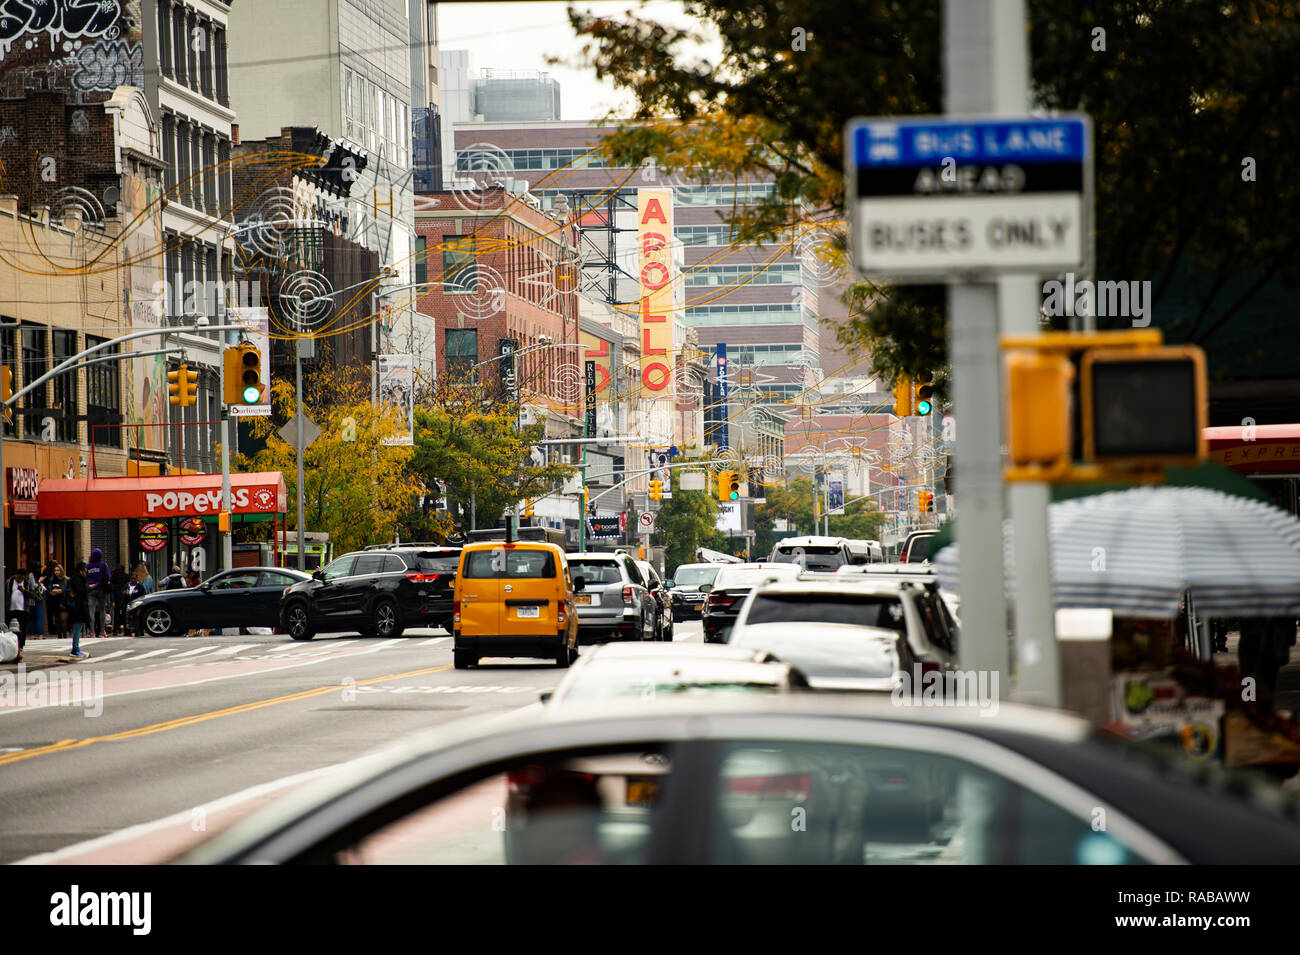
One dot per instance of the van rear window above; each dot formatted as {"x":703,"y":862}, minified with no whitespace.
{"x":517,"y":564}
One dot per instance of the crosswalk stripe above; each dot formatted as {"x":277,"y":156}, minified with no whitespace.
{"x":434,"y":642}
{"x":225,"y":651}
{"x":154,"y":653}
{"x":386,"y":643}
{"x":195,"y":652}
{"x":108,"y":656}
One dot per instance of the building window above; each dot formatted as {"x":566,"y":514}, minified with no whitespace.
{"x":35,"y":358}
{"x":223,"y":159}
{"x":459,"y":264}
{"x":421,"y":264}
{"x":165,"y":39}
{"x":169,"y":150}
{"x":104,"y":398}
{"x":179,"y":44}
{"x":204,"y":38}
{"x":65,"y":387}
{"x":462,"y":349}
{"x":196,"y":164}
{"x":223,"y":77}
{"x":191,"y":44}
{"x":8,"y":344}
{"x":210,"y":173}
{"x":183,"y":162}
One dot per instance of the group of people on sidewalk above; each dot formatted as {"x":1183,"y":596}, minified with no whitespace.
{"x":92,"y":599}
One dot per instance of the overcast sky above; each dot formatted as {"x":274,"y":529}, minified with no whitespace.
{"x":520,"y":36}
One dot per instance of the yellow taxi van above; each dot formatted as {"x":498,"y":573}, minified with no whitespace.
{"x":514,"y":600}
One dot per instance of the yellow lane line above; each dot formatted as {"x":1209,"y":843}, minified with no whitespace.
{"x":67,"y":744}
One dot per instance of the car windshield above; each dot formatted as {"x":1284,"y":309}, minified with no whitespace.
{"x":695,"y":576}
{"x":596,"y":571}
{"x":812,"y":558}
{"x":920,"y":548}
{"x":863,"y":610}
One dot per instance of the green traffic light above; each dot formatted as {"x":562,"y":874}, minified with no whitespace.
{"x":251,"y":395}
{"x":735,"y":495}
{"x":923,"y":407}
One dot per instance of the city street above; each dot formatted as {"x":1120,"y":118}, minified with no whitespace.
{"x":189,"y":723}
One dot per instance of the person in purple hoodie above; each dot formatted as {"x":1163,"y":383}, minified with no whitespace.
{"x":98,"y":580}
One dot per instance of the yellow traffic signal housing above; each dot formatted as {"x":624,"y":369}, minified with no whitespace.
{"x":8,"y":375}
{"x":728,"y":487}
{"x":190,"y":390}
{"x":656,"y":489}
{"x":1038,"y":407}
{"x":176,"y":387}
{"x":528,"y":508}
{"x":1144,"y":407}
{"x":903,"y":397}
{"x":242,"y":378}
{"x":922,"y":393}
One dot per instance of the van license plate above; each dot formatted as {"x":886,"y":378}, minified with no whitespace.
{"x":529,"y":611}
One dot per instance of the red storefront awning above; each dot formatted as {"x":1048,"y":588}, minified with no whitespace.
{"x":1256,"y":449}
{"x":180,"y":495}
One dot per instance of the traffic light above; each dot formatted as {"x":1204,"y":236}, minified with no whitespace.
{"x":923,"y":390}
{"x":528,"y":508}
{"x":181,"y":387}
{"x":925,"y":500}
{"x":1144,"y":407}
{"x":728,"y":487}
{"x":656,"y":489}
{"x":903,"y":397}
{"x":242,"y":383}
{"x":1038,"y":403}
{"x":8,"y":375}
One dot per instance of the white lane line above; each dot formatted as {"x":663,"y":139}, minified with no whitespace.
{"x":195,"y":652}
{"x":155,"y":653}
{"x":434,"y":642}
{"x":109,"y":656}
{"x":386,"y":643}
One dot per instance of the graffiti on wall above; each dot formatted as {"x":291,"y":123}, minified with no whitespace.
{"x":70,"y":22}
{"x":108,"y":64}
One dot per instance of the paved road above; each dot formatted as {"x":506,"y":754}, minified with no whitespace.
{"x":166,"y":741}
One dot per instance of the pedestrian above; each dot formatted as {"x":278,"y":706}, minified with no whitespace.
{"x":76,"y":599}
{"x":56,"y":617}
{"x":18,"y":606}
{"x":175,"y":580}
{"x":193,"y":579}
{"x":143,"y":579}
{"x":121,"y":586}
{"x":35,"y":599}
{"x":98,"y":580}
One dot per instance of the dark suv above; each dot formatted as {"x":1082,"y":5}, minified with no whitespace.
{"x":377,"y":593}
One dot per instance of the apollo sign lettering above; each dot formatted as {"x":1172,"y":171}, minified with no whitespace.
{"x":207,"y":502}
{"x":659,"y":291}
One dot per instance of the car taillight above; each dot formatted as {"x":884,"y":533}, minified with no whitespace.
{"x":420,"y":578}
{"x":721,"y":600}
{"x":455,"y":611}
{"x":794,"y":786}
{"x":627,"y":594}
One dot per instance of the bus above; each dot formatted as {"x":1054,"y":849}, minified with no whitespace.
{"x":318,"y":549}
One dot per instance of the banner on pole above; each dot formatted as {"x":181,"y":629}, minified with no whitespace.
{"x":397,"y":390}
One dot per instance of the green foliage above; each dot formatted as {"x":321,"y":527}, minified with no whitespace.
{"x":861,"y":519}
{"x":687,"y":521}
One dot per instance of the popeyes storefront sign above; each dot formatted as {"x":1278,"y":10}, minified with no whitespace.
{"x":180,"y":503}
{"x":23,"y":489}
{"x":194,"y":495}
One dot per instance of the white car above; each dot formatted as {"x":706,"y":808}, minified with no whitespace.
{"x":911,"y":609}
{"x":660,"y":672}
{"x":729,"y":589}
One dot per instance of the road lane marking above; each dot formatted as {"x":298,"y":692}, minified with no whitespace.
{"x":193,"y":653}
{"x":222,"y":651}
{"x":154,"y":653}
{"x":183,"y":721}
{"x":109,"y":656}
{"x":434,"y":642}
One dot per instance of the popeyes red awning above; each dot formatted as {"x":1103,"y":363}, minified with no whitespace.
{"x":181,"y":495}
{"x":1256,"y":449}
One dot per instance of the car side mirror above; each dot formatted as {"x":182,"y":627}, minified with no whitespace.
{"x":706,"y":588}
{"x":318,"y":574}
{"x":545,"y":695}
{"x":579,"y":583}
{"x":670,"y":584}
{"x":205,"y":586}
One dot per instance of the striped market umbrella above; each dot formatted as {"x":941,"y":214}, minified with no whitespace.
{"x":1138,"y":551}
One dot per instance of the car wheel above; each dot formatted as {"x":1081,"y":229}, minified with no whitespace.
{"x":464,"y":659}
{"x":563,"y":655}
{"x":387,"y":620}
{"x":159,"y":622}
{"x":297,"y":622}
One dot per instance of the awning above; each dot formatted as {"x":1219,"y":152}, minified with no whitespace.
{"x":181,"y":495}
{"x":1256,"y":449}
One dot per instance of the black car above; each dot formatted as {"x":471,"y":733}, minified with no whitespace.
{"x":688,"y":599}
{"x":377,"y":593}
{"x":730,"y":587}
{"x":243,"y":597}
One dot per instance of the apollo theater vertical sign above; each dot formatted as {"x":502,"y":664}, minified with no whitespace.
{"x":660,"y":304}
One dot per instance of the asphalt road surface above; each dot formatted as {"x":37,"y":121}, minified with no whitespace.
{"x":184,"y":736}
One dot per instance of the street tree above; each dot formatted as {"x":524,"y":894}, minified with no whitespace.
{"x":355,"y":487}
{"x":687,"y":521}
{"x":1191,"y":104}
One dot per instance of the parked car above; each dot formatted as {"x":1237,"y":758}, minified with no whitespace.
{"x":663,"y":600}
{"x":864,"y":552}
{"x":514,"y":600}
{"x":729,"y":590}
{"x":914,"y":611}
{"x":243,"y":597}
{"x":684,"y":586}
{"x":813,"y":553}
{"x":718,"y":779}
{"x":602,"y":675}
{"x":615,"y":603}
{"x":376,"y":593}
{"x":916,"y":549}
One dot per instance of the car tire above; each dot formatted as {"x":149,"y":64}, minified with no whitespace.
{"x":387,"y":620}
{"x":563,"y":655}
{"x":159,"y":621}
{"x":464,"y":659}
{"x":296,"y":622}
